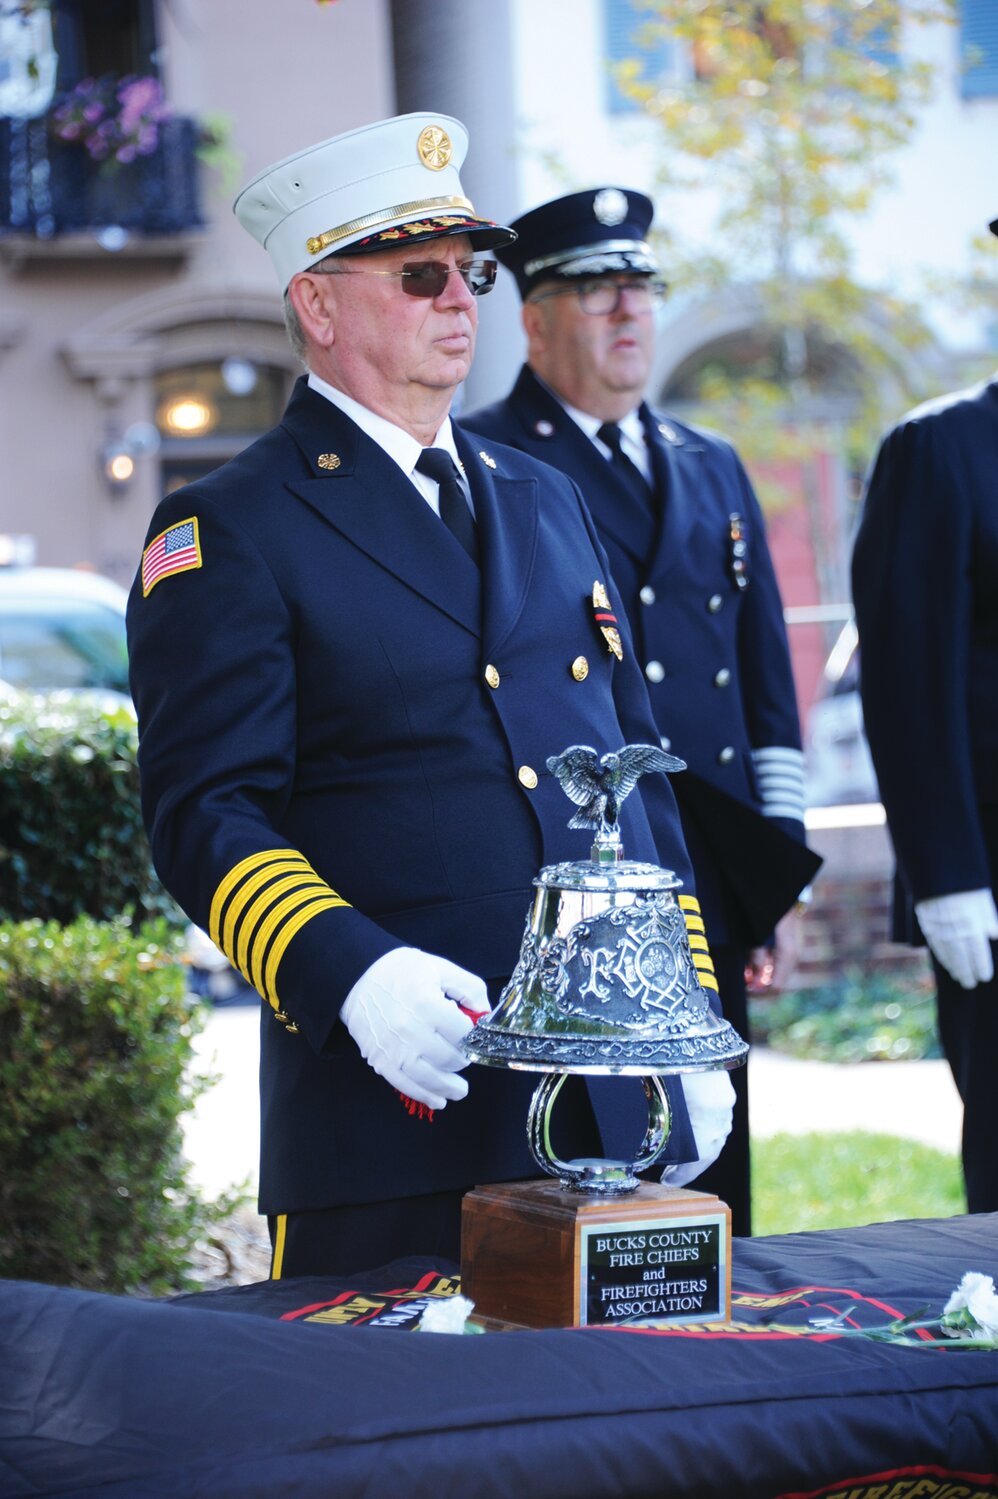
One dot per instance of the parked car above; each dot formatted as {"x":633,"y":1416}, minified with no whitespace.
{"x":838,"y":765}
{"x":63,"y":629}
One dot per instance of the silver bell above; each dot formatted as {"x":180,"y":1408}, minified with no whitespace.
{"x":606,"y":981}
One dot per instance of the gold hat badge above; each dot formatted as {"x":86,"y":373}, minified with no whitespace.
{"x":434,"y":147}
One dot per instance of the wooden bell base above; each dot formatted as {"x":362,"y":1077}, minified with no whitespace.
{"x":536,"y":1255}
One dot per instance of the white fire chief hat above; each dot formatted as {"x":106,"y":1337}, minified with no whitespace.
{"x":392,"y":183}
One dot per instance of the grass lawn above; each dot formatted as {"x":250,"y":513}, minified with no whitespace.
{"x":816,"y":1181}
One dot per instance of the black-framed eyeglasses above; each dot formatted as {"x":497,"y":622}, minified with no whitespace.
{"x":427,"y":278}
{"x":601,"y":297}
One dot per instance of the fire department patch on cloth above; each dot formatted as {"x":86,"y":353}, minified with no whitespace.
{"x":175,"y":550}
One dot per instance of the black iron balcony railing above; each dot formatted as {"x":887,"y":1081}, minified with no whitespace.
{"x":50,"y":187}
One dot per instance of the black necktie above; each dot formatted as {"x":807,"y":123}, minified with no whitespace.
{"x":437,"y":464}
{"x":625,"y":467}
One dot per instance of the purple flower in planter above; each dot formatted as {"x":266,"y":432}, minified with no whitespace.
{"x":115,"y":119}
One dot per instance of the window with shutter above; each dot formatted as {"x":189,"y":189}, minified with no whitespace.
{"x":978,"y":48}
{"x":623,"y":21}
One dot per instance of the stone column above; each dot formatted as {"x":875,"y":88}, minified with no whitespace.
{"x":457,"y":57}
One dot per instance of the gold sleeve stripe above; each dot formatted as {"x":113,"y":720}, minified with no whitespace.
{"x":708,"y":981}
{"x":272,"y":897}
{"x":237,"y":873}
{"x":698,"y":943}
{"x":281,"y":914}
{"x":703,"y":962}
{"x":261,"y":903}
{"x":285,"y":935}
{"x":689,"y":903}
{"x":249,"y":887}
{"x":694,"y":924}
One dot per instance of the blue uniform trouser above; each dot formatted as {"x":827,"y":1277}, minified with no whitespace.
{"x":968,"y":1030}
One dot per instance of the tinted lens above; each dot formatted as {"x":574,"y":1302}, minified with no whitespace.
{"x":427,"y":278}
{"x":424,"y":278}
{"x":479,"y":275}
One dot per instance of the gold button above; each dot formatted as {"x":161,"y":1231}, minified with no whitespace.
{"x":491,"y":675}
{"x":580,"y":668}
{"x":527,"y":777}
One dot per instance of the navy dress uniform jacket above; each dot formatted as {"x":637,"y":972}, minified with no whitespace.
{"x":925,"y":585}
{"x":721,"y":684}
{"x":327,"y":772}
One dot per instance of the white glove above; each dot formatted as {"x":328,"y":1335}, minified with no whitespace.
{"x":710,"y":1099}
{"x":402,"y":1014}
{"x":959,"y":929}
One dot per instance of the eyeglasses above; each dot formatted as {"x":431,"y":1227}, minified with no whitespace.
{"x":602,"y":297}
{"x":427,"y":278}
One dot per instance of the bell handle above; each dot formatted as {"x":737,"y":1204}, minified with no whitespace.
{"x":659,"y":1123}
{"x":539,"y":1124}
{"x":539,"y":1134}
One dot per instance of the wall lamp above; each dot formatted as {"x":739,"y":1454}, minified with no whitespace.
{"x":119,"y":454}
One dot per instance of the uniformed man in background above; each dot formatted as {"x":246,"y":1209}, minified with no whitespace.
{"x":687,"y":547}
{"x":925,"y":586}
{"x":353,"y":649}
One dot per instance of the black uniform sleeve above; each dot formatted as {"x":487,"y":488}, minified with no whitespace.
{"x":211,"y":650}
{"x":912,"y":570}
{"x":765,"y":674}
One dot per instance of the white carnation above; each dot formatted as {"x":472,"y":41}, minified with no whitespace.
{"x":448,"y":1314}
{"x":973,"y":1308}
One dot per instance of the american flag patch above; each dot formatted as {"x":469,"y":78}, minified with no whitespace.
{"x":175,"y":550}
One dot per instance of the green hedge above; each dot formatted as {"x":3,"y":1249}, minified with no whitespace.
{"x":71,"y":834}
{"x":95,"y":1033}
{"x":880,"y":1016}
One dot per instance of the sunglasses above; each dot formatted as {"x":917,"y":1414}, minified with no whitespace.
{"x":427,"y":278}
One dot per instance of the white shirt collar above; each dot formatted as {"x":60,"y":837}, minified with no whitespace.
{"x":398,"y":444}
{"x":632,"y":433}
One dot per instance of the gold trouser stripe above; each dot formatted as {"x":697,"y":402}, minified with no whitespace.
{"x":703,"y":962}
{"x":285,"y":936}
{"x":694,"y":924}
{"x":305,"y":881}
{"x":708,"y":981}
{"x":697,"y":942}
{"x":277,"y":1264}
{"x":689,"y":903}
{"x":249,"y":887}
{"x":235,"y":874}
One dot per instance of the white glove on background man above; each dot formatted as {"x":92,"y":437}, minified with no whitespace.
{"x":959,"y":929}
{"x":710,"y":1099}
{"x":402,"y":1014}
